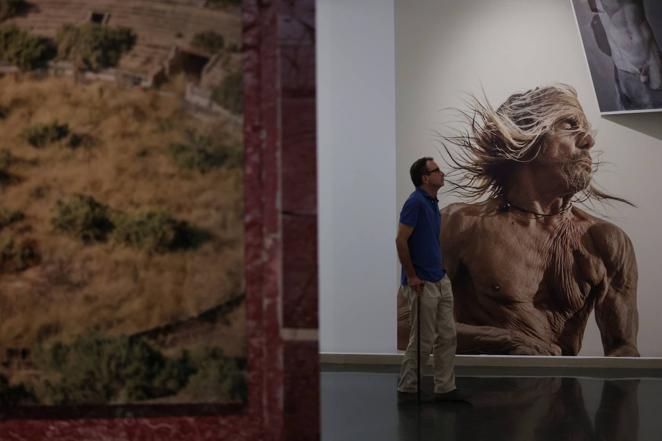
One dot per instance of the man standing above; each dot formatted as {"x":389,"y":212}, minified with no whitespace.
{"x":633,"y":49}
{"x":423,"y":279}
{"x":528,"y":266}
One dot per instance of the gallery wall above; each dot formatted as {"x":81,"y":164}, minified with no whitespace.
{"x":356,"y":164}
{"x":445,"y":49}
{"x":440,"y":50}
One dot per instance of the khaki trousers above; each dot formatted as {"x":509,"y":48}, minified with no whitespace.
{"x":437,"y":335}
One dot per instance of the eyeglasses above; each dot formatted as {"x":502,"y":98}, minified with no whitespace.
{"x":435,"y":170}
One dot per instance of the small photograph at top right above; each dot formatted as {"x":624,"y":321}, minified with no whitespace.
{"x":622,"y":41}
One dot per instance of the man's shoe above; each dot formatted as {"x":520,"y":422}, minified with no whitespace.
{"x":453,"y":396}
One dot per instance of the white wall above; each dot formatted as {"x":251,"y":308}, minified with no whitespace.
{"x":445,"y":48}
{"x":356,"y":170}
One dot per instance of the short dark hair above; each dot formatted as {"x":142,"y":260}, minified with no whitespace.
{"x":419,"y":169}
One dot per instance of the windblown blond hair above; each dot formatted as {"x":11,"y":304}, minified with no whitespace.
{"x":497,"y":141}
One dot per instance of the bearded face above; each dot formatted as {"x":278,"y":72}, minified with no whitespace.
{"x":577,"y":173}
{"x":565,"y":157}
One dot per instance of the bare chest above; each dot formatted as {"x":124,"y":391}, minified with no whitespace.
{"x":510,"y":262}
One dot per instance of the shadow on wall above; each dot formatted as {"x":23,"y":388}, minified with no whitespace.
{"x":647,"y":123}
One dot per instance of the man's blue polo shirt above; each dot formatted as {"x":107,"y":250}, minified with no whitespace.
{"x":421,"y":212}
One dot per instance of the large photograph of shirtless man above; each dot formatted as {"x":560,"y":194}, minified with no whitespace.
{"x":527,"y":264}
{"x":622,"y":40}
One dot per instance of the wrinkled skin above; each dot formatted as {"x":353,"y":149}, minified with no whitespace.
{"x":525,"y":284}
{"x":508,"y":297}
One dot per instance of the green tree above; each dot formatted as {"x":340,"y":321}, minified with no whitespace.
{"x":24,"y":50}
{"x":11,"y":8}
{"x":209,"y":41}
{"x":96,"y":369}
{"x":83,"y":217}
{"x":230,"y":94}
{"x":41,"y":135}
{"x":155,"y":231}
{"x":202,"y":153}
{"x":219,"y":377}
{"x":92,"y":46}
{"x":17,"y":255}
{"x":15,"y":395}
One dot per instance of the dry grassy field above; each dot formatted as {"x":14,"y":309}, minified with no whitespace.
{"x":132,"y":152}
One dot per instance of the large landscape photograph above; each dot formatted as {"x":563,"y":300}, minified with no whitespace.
{"x":121,"y":203}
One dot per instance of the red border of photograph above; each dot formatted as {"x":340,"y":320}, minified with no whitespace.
{"x":281,"y":252}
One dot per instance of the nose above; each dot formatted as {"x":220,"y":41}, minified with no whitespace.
{"x":586,"y":141}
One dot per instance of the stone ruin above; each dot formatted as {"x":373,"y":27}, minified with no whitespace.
{"x":164,"y":31}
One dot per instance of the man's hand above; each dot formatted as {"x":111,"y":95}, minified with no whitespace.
{"x":493,"y":340}
{"x":416,"y":284}
{"x":524,"y":345}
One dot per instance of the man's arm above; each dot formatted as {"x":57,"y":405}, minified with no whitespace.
{"x":404,"y":231}
{"x":616,"y":309}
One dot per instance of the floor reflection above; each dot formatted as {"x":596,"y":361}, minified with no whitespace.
{"x":525,"y":409}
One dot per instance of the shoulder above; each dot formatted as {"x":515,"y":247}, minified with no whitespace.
{"x":411,"y":208}
{"x":459,"y":223}
{"x":410,"y":212}
{"x":605,"y":235}
{"x":611,"y":243}
{"x":468,"y":214}
{"x":460,"y":220}
{"x":413,"y":200}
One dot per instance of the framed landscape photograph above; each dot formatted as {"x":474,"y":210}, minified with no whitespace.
{"x":122,"y":209}
{"x":159,"y":194}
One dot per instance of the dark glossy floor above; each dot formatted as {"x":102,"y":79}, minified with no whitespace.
{"x":363,"y":406}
